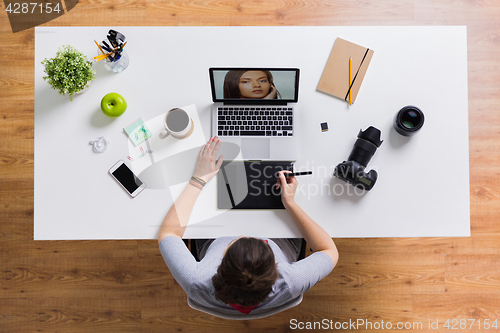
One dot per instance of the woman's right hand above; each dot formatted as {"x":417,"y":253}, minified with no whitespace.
{"x":288,"y":188}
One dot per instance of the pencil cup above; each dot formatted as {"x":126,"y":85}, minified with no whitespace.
{"x":119,"y":65}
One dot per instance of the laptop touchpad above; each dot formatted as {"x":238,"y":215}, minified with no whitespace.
{"x":255,"y":148}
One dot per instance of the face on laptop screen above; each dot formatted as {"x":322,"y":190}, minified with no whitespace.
{"x":254,"y":84}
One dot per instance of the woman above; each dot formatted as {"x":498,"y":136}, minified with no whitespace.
{"x":243,"y":278}
{"x":244,"y":84}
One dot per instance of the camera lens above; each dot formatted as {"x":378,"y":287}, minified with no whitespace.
{"x":365,"y":146}
{"x":408,"y":120}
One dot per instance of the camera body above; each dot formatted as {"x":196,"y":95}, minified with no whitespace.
{"x":354,"y":173}
{"x":353,"y":170}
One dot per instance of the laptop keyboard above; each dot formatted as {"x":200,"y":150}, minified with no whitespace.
{"x":254,"y":121}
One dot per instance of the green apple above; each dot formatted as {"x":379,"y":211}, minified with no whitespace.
{"x":113,"y":105}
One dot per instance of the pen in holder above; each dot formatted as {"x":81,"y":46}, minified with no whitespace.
{"x":117,"y":65}
{"x":112,"y":52}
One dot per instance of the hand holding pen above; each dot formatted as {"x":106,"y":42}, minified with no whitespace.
{"x":294,"y":174}
{"x":288,"y":187}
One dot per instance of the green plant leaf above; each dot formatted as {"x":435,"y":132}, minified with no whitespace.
{"x":69,"y":71}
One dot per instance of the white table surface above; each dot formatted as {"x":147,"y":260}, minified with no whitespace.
{"x":423,"y":185}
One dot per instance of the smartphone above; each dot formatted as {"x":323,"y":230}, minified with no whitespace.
{"x":127,"y":179}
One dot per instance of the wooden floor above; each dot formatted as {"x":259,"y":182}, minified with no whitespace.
{"x":124,"y":286}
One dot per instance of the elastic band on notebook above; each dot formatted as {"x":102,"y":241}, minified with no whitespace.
{"x":354,"y":79}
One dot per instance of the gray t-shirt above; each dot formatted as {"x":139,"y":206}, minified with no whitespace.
{"x":196,"y":277}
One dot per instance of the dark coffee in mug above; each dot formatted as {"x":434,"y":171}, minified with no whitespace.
{"x":177,"y":120}
{"x":177,"y":124}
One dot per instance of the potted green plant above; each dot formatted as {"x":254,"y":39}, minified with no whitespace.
{"x":69,"y":71}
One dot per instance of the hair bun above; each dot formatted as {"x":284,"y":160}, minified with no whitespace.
{"x":247,"y":277}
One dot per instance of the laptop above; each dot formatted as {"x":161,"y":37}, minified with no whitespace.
{"x":254,"y":108}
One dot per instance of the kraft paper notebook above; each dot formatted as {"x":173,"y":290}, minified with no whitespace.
{"x":335,"y":78}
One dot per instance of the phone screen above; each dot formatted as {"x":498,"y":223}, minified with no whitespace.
{"x":127,"y":178}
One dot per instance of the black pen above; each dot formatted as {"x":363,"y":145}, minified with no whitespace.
{"x":293,"y":174}
{"x":107,"y":47}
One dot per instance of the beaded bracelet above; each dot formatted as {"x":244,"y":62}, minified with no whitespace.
{"x":199,"y":180}
{"x":196,"y":184}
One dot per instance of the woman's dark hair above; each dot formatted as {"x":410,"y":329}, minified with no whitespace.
{"x":232,"y":83}
{"x":246,"y":274}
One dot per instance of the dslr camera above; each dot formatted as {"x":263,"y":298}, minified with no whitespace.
{"x":353,"y":170}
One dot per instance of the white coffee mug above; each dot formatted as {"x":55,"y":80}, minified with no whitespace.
{"x":178,"y":124}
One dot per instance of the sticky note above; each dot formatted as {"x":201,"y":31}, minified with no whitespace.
{"x":138,"y":132}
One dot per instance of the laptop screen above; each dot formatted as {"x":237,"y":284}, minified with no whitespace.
{"x":255,"y":85}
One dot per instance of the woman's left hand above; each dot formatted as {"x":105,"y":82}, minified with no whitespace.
{"x":272,"y":93}
{"x":206,"y":166}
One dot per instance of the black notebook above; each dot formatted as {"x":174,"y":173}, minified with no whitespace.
{"x":250,"y":185}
